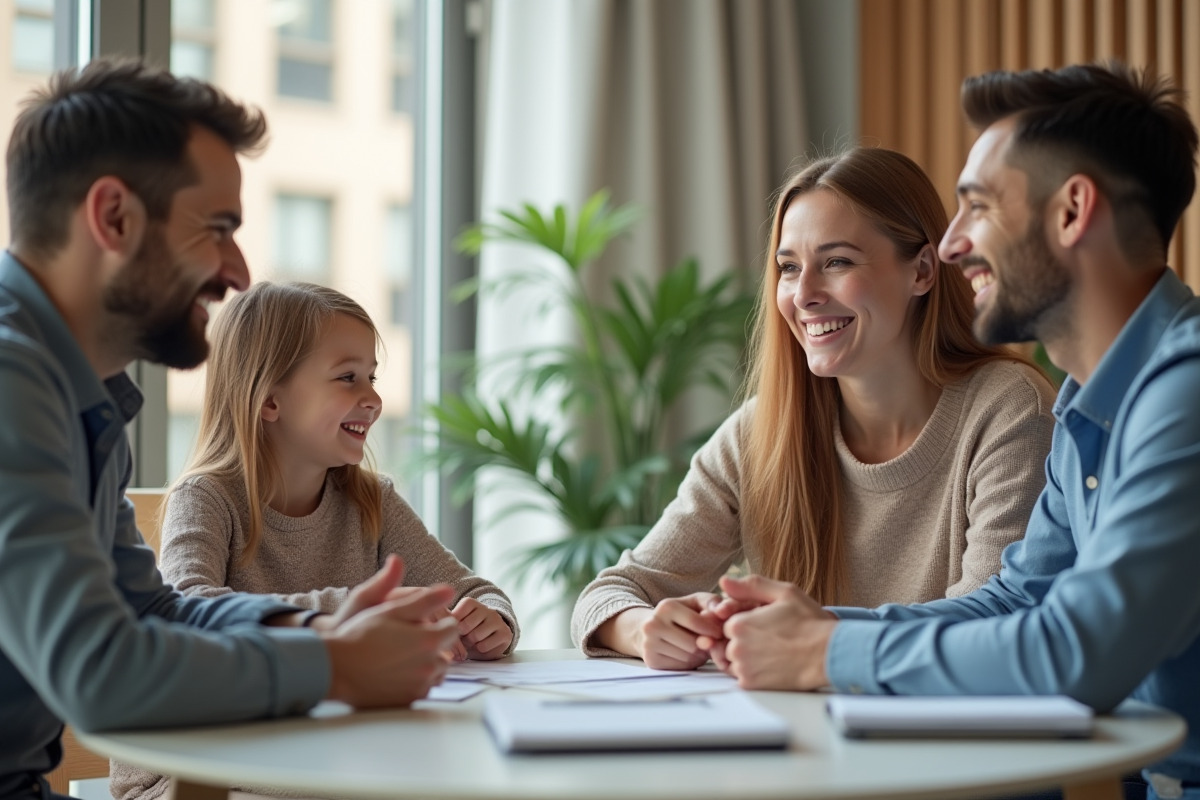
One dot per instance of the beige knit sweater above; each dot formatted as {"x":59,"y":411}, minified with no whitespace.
{"x":930,"y":523}
{"x":308,"y":561}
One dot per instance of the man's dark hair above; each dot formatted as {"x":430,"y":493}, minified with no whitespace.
{"x":1124,"y":128}
{"x":116,"y":117}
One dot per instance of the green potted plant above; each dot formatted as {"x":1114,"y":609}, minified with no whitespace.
{"x":635,"y":354}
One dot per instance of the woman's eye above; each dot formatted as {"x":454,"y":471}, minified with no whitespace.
{"x":372,"y":379}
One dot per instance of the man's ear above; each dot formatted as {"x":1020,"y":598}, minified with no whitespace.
{"x":270,"y":409}
{"x":115,"y":216}
{"x":926,"y":271}
{"x":1073,"y":210}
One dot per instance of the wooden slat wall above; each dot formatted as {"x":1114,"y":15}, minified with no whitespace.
{"x":915,"y":54}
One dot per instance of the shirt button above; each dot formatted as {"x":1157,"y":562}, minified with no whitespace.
{"x":855,"y":689}
{"x":106,"y":414}
{"x":1091,"y":482}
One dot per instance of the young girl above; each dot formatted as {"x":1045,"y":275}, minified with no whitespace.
{"x":275,"y":500}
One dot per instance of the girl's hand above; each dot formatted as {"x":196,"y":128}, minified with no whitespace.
{"x":457,"y":651}
{"x":482,"y":630}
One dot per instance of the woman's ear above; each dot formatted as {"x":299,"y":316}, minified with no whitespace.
{"x":270,"y":409}
{"x":926,"y":271}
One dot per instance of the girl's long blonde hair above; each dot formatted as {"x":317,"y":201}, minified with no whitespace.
{"x":258,"y":339}
{"x":791,"y":507}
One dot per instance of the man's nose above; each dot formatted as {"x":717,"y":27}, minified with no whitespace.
{"x":234,"y":270}
{"x":954,"y":244}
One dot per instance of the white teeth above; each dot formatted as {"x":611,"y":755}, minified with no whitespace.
{"x":982,"y":280}
{"x":821,"y":328}
{"x":356,"y":428}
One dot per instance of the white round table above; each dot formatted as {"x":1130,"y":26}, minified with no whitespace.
{"x":442,"y":750}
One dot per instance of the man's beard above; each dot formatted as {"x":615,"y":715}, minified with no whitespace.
{"x":158,"y":306}
{"x":1031,"y":286}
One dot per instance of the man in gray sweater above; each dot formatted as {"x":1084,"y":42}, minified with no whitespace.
{"x":124,"y":189}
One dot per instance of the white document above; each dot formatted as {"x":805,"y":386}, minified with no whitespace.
{"x":530,"y":673}
{"x":1054,"y":716}
{"x":453,"y":691}
{"x":679,"y":684}
{"x":522,"y":723}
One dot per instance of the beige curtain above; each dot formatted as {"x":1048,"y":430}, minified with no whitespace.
{"x":690,"y":109}
{"x":915,"y":54}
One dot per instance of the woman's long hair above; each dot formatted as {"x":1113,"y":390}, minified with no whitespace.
{"x":791,"y":506}
{"x":258,"y":339}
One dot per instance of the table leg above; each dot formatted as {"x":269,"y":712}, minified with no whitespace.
{"x":186,"y":790}
{"x":1107,"y":789}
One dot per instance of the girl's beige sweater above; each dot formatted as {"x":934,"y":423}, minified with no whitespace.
{"x":309,"y":561}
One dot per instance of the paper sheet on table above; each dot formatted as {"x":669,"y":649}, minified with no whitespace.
{"x":532,"y":673}
{"x":453,"y":691}
{"x":679,"y":684}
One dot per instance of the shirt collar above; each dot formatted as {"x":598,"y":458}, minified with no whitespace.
{"x":1101,"y":397}
{"x":51,"y":330}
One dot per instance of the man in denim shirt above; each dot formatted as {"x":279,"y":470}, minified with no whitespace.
{"x":124,"y":195}
{"x":1066,"y":205}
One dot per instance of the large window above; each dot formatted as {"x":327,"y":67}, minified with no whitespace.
{"x":334,"y":196}
{"x":328,"y":200}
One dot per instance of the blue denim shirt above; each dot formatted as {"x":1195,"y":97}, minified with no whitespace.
{"x":88,"y":632}
{"x":1099,"y":601}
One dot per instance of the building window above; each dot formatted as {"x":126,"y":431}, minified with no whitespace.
{"x":33,"y":36}
{"x":193,"y":38}
{"x":403,"y":38}
{"x":305,"y":41}
{"x":303,"y":238}
{"x":398,"y":257}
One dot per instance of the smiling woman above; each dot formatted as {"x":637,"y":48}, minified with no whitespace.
{"x":885,"y":455}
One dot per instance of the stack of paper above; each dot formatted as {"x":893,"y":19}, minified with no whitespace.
{"x":594,"y":678}
{"x":856,"y":715}
{"x":525,"y":723}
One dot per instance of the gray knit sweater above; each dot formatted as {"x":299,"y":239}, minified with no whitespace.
{"x":309,"y":561}
{"x":930,"y":523}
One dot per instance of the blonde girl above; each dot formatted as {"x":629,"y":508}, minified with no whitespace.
{"x":276,"y":499}
{"x":885,"y":455}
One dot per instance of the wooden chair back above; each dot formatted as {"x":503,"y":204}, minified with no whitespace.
{"x":147,"y":504}
{"x":79,"y":763}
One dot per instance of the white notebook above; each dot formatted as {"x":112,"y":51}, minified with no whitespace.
{"x":1051,"y":716}
{"x":522,"y":723}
